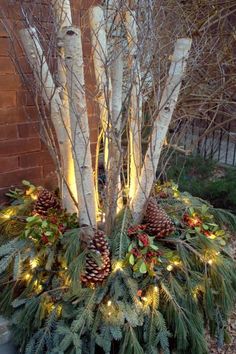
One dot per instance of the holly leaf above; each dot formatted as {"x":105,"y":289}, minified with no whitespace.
{"x":131,"y":259}
{"x":143,"y":268}
{"x":140,"y":243}
{"x":154,"y":247}
{"x":130,"y":247}
{"x":205,"y":227}
{"x":191,"y":210}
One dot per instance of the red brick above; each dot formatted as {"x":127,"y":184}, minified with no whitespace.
{"x":8,"y":132}
{"x":94,"y":120}
{"x":3,"y":32}
{"x":16,"y":147}
{"x":35,"y":159}
{"x":7,"y":99}
{"x":12,"y":178}
{"x":28,"y":130}
{"x":9,"y":163}
{"x":25,"y":98}
{"x":7,"y":48}
{"x":9,"y":82}
{"x":93,"y":135}
{"x":18,"y":114}
{"x":93,"y":147}
{"x":49,"y":170}
{"x":24,"y":65}
{"x":4,"y":47}
{"x":3,"y":196}
{"x":6,"y":66}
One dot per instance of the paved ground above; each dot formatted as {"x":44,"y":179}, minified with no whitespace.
{"x":7,"y":349}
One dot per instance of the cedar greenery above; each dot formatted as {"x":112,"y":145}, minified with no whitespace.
{"x":192,"y":286}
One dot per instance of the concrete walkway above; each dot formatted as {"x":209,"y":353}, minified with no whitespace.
{"x":6,"y":347}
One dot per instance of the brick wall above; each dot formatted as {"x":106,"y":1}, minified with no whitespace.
{"x":22,"y":153}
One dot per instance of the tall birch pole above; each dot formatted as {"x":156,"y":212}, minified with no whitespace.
{"x":79,"y":126}
{"x":161,"y":124}
{"x":135,"y":114}
{"x":51,"y":96}
{"x":99,"y":46}
{"x":63,"y":18}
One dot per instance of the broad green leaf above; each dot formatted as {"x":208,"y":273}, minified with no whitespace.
{"x":131,"y":259}
{"x":143,"y":268}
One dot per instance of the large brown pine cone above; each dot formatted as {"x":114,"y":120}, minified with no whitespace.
{"x":95,"y":274}
{"x":46,"y":201}
{"x":158,"y":222}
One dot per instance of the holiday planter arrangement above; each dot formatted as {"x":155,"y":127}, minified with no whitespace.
{"x":154,"y":287}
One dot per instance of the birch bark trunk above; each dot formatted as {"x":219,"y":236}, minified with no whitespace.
{"x":79,"y":126}
{"x":160,"y":128}
{"x":62,"y":19}
{"x":135,"y":114}
{"x":51,"y":97}
{"x":99,"y":47}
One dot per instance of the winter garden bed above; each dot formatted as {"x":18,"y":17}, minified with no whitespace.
{"x":147,"y":288}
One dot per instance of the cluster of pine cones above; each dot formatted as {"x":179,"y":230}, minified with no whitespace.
{"x":157,"y":221}
{"x":95,"y":274}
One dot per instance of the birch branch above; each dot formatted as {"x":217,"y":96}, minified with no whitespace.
{"x":79,"y":125}
{"x":135,"y":114}
{"x":161,"y":124}
{"x":50,"y":94}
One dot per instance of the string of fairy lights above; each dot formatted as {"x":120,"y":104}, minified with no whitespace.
{"x":150,"y":294}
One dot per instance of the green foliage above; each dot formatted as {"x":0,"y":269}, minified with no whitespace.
{"x":191,"y":286}
{"x":199,"y":177}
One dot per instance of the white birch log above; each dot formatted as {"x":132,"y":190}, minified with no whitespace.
{"x":99,"y":47}
{"x":62,"y":18}
{"x":110,"y":99}
{"x":135,"y":114}
{"x":79,"y":125}
{"x":62,"y":13}
{"x":161,"y":124}
{"x":116,"y":119}
{"x":51,"y":97}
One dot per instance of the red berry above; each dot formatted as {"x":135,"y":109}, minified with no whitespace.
{"x":44,"y":239}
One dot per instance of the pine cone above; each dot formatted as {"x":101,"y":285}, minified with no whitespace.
{"x":46,"y":201}
{"x":95,"y":274}
{"x":158,"y":222}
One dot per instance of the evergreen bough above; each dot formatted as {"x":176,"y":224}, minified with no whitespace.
{"x":193,"y":288}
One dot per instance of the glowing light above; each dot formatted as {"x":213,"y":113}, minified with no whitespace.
{"x":217,"y":253}
{"x":194,"y":221}
{"x":169,"y":268}
{"x":39,"y":288}
{"x":33,"y":263}
{"x":109,"y":313}
{"x":27,"y":276}
{"x":156,"y":288}
{"x":144,"y":298}
{"x":109,"y":303}
{"x":117,"y":266}
{"x":212,"y":236}
{"x":210,"y":261}
{"x":177,"y":263}
{"x":186,"y":200}
{"x":7,"y":214}
{"x":34,"y":196}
